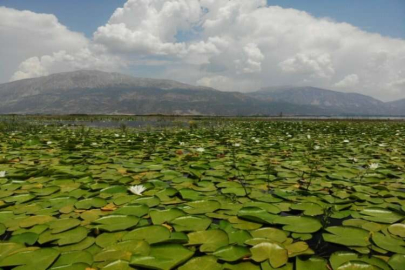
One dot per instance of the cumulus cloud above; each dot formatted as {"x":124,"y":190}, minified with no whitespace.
{"x":37,"y":44}
{"x":61,"y":61}
{"x":348,"y":81}
{"x":25,"y":34}
{"x":236,"y":45}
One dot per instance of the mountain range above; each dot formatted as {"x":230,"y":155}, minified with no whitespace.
{"x":97,"y":92}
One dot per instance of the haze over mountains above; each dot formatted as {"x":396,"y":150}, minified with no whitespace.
{"x":96,"y":92}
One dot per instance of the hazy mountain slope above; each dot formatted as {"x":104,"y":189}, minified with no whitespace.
{"x":95,"y":92}
{"x":333,"y":101}
{"x":397,"y":107}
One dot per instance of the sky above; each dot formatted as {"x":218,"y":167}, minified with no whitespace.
{"x":231,"y":45}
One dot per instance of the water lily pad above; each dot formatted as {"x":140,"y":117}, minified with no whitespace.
{"x":397,"y":229}
{"x":202,"y":263}
{"x":74,"y":257}
{"x":201,"y":207}
{"x":209,"y":240}
{"x":132,"y":210}
{"x":115,"y":223}
{"x":117,"y":265}
{"x":381,"y":215}
{"x":65,"y":238}
{"x":90,"y":203}
{"x":348,"y":236}
{"x":272,"y":234}
{"x":151,"y":234}
{"x":61,"y":225}
{"x":163,"y":256}
{"x":190,"y":223}
{"x":341,"y":257}
{"x":389,"y":243}
{"x":256,"y":214}
{"x":313,"y":263}
{"x":28,"y":238}
{"x":232,"y":253}
{"x":276,"y":254}
{"x":299,"y":224}
{"x":357,"y":265}
{"x":310,"y":209}
{"x":397,"y":261}
{"x":163,"y":216}
{"x":39,"y":259}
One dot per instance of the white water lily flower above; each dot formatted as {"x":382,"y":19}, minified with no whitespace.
{"x":2,"y":174}
{"x":317,"y":147}
{"x":257,"y":141}
{"x":237,"y":144}
{"x":116,"y":135}
{"x":200,"y":149}
{"x":373,"y":166}
{"x":181,"y":143}
{"x":94,"y":144}
{"x":346,"y":141}
{"x":49,"y":143}
{"x":137,"y":190}
{"x":309,"y":137}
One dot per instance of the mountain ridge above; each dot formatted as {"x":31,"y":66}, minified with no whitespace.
{"x":98,"y":92}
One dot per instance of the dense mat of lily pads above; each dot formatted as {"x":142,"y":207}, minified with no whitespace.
{"x":227,"y":195}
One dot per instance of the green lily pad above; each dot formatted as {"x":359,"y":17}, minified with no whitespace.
{"x":74,"y":257}
{"x":341,"y":257}
{"x":65,"y":238}
{"x":354,"y":265}
{"x":256,"y":214}
{"x":381,"y":215}
{"x":191,"y":223}
{"x":151,"y":234}
{"x":231,"y":253}
{"x":389,"y":243}
{"x":276,"y":254}
{"x":90,"y":203}
{"x":163,"y":216}
{"x":397,"y":261}
{"x":132,"y":210}
{"x":310,"y":209}
{"x":39,"y":259}
{"x":313,"y":263}
{"x":163,"y":256}
{"x":201,"y":207}
{"x":209,"y":240}
{"x":348,"y":236}
{"x":397,"y":229}
{"x":115,"y":223}
{"x":272,"y":234}
{"x":61,"y":225}
{"x":299,"y":224}
{"x":202,"y":263}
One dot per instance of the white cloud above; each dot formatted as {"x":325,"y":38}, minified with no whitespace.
{"x":61,"y":61}
{"x":25,"y":34}
{"x":231,"y":45}
{"x":311,"y":65}
{"x":348,"y":81}
{"x":37,"y":44}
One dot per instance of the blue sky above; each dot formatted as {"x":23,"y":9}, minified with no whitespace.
{"x":386,"y":17}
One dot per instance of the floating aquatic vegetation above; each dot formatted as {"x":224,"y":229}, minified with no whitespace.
{"x":220,"y":194}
